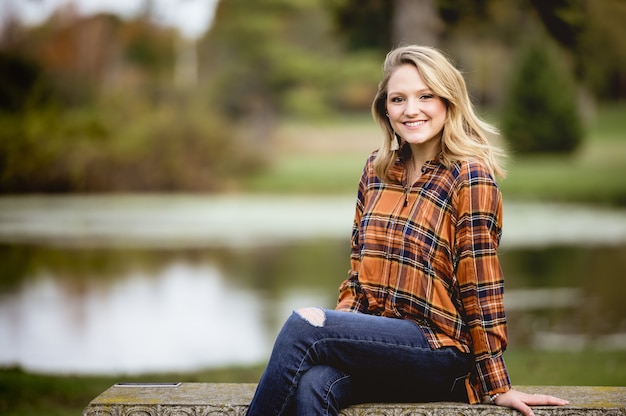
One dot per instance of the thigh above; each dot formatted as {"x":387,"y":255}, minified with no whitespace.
{"x":358,"y":343}
{"x":387,"y":349}
{"x":362,"y":327}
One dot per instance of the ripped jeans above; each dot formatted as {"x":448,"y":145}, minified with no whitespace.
{"x":325,"y":360}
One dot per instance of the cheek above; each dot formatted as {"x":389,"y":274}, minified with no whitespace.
{"x":394,"y":113}
{"x":440,"y":109}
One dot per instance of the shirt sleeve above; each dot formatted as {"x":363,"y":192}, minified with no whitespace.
{"x":478,"y":232}
{"x":351,"y":298}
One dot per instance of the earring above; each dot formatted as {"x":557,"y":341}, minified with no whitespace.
{"x":395,"y":142}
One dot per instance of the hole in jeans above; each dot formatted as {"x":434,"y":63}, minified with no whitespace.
{"x":313,"y":315}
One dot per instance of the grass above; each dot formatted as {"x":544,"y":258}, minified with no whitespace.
{"x":566,"y":368}
{"x":27,"y":394}
{"x":593,"y":175}
{"x":328,"y":158}
{"x":24,"y":394}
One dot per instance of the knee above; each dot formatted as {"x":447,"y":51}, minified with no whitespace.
{"x":313,"y":315}
{"x":299,"y":327}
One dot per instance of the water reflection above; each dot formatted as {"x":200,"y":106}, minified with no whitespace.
{"x":115,"y":311}
{"x":120,"y":311}
{"x":173,"y":319}
{"x":143,"y":285}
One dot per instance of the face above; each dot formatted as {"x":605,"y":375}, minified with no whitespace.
{"x":415,"y":112}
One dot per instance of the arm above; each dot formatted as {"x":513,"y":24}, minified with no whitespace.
{"x":482,"y":286}
{"x":478,"y":230}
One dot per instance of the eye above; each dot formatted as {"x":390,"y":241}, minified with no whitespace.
{"x":396,"y":99}
{"x":426,"y":97}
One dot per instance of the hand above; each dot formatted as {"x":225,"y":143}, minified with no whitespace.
{"x":521,"y":401}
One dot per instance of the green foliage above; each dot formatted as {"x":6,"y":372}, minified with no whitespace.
{"x":277,"y":57}
{"x":455,"y":11}
{"x":564,"y":19}
{"x":173,"y":147}
{"x":22,"y":83}
{"x":365,"y":24}
{"x":39,"y":149}
{"x":148,"y":47}
{"x":541,"y":113}
{"x":602,"y":56}
{"x":260,"y":61}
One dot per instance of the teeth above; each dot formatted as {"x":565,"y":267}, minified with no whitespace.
{"x":414,"y":123}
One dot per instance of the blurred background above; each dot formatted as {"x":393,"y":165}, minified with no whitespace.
{"x":177,"y":175}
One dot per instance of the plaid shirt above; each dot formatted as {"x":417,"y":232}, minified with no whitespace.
{"x":428,"y":253}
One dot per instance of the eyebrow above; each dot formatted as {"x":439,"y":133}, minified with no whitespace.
{"x":423,"y":90}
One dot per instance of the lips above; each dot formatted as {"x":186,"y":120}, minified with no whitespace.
{"x":414,"y":123}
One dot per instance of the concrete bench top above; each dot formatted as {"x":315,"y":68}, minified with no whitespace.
{"x":226,"y":399}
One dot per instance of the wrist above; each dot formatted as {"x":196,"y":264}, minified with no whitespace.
{"x":491,"y":398}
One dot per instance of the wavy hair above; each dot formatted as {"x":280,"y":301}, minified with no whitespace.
{"x":464,"y":133}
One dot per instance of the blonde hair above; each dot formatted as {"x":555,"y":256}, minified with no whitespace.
{"x":464,"y":133}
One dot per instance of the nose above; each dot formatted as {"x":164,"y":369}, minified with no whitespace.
{"x":413,"y":107}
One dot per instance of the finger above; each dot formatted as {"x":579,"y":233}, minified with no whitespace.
{"x":515,"y":400}
{"x":523,"y":408}
{"x":544,"y":400}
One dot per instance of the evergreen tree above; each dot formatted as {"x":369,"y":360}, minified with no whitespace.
{"x":541,"y":113}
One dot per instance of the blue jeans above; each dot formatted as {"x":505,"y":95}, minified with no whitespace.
{"x":325,"y":360}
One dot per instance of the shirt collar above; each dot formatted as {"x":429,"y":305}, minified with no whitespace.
{"x":398,"y":170}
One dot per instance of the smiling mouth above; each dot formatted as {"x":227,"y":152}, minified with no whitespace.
{"x":414,"y":123}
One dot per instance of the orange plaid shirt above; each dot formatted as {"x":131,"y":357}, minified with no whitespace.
{"x":428,"y":252}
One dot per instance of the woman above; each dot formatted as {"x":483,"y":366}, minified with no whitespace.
{"x":420,"y":316}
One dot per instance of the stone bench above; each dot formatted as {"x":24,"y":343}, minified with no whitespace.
{"x":225,"y":399}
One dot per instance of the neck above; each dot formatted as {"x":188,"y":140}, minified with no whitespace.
{"x":421,"y":154}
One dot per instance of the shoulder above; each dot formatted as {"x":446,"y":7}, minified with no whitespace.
{"x":476,"y":193}
{"x":471,"y":172}
{"x":474,"y":181}
{"x":371,"y":157}
{"x":368,"y":169}
{"x":368,"y":174}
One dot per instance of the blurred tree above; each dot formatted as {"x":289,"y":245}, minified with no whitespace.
{"x":23,"y":84}
{"x":84,"y":56}
{"x":148,"y":47}
{"x":602,"y":50}
{"x":563,"y":19}
{"x":261,"y":60}
{"x":382,"y":24}
{"x":277,"y":57}
{"x":365,"y":24}
{"x":415,"y":22}
{"x":111,"y":130}
{"x":592,"y":32}
{"x":73,"y":51}
{"x":595,"y":34}
{"x":454,"y":11}
{"x":541,"y":114}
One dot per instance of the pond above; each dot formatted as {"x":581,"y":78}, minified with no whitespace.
{"x":134,"y":284}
